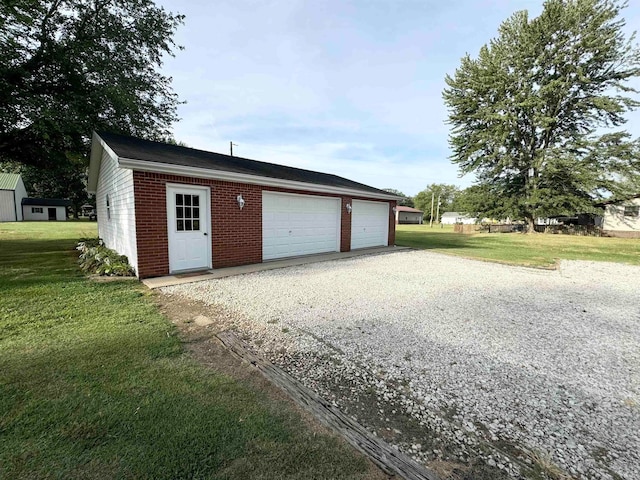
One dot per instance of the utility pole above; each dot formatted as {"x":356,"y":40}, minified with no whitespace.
{"x":431,"y":217}
{"x":438,"y":210}
{"x":231,"y":144}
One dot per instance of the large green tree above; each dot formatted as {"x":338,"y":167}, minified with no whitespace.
{"x":532,"y":115}
{"x":447,"y":195}
{"x":68,"y":67}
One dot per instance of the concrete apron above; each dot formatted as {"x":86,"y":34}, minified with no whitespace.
{"x":180,"y":279}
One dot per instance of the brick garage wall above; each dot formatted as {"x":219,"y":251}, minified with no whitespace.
{"x":345,"y":226}
{"x":236,"y":236}
{"x":392,"y":224}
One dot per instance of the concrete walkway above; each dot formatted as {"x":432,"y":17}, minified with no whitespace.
{"x":179,"y":279}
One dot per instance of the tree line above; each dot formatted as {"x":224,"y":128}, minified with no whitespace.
{"x":451,"y":198}
{"x":536,"y":116}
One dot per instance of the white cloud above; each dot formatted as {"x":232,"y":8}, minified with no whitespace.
{"x":352,"y":88}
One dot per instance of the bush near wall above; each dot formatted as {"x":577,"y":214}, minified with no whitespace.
{"x":97,"y":259}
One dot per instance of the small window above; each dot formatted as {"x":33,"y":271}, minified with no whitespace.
{"x":108,"y":208}
{"x":187,"y":212}
{"x":632,"y":210}
{"x":37,"y":210}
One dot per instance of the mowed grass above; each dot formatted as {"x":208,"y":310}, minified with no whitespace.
{"x":94,"y":383}
{"x":536,"y":250}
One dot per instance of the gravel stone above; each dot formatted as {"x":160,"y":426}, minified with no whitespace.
{"x":484,"y":355}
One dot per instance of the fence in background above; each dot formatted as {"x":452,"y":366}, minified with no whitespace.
{"x":582,"y":230}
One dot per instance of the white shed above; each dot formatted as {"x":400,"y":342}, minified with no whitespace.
{"x":451,"y":218}
{"x":622,"y":218}
{"x":12,"y":192}
{"x":45,"y":209}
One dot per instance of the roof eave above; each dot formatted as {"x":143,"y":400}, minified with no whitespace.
{"x":98,"y":146}
{"x":173,"y":169}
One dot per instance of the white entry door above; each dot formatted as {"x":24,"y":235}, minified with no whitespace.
{"x":369,"y":224}
{"x":188,"y":228}
{"x":295,"y":225}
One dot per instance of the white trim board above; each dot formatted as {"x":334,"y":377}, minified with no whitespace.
{"x":148,"y":166}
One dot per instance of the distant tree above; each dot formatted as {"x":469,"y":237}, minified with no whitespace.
{"x":446,"y":193}
{"x":528,"y":114}
{"x":68,"y":67}
{"x":476,"y":201}
{"x":406,"y":200}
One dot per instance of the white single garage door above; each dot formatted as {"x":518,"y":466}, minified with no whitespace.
{"x":369,"y":224}
{"x":295,"y":225}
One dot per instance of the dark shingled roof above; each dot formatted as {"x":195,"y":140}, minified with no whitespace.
{"x":138,"y":149}
{"x":47,"y":202}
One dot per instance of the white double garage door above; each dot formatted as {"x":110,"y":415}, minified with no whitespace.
{"x":294,"y":225}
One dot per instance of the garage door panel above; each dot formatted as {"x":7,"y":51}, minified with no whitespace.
{"x":294,"y":225}
{"x":369,"y":224}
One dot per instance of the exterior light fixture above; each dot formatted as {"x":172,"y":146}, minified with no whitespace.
{"x":240,"y":201}
{"x":348,"y":207}
{"x":394,"y":209}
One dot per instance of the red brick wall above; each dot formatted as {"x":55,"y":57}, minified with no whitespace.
{"x":151,"y":224}
{"x":236,"y":235}
{"x":392,"y":224}
{"x":345,"y":226}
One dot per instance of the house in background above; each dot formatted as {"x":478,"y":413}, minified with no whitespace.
{"x":47,"y":209}
{"x":622,"y":218}
{"x":173,"y":209}
{"x":12,"y":191}
{"x":406,"y":215}
{"x":451,"y":218}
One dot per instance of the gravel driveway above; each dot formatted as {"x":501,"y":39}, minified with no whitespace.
{"x":467,"y":365}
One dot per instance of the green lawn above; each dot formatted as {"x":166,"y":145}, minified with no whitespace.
{"x":94,"y":383}
{"x":538,"y":250}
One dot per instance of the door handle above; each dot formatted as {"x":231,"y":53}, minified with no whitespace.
{"x":204,"y":233}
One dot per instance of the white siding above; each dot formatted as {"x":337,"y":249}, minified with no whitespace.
{"x":19,"y":194}
{"x":118,"y":230}
{"x":29,"y":215}
{"x":615,"y":220}
{"x":7,"y":206}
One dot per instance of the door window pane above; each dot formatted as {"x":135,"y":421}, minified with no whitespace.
{"x":187,"y":216}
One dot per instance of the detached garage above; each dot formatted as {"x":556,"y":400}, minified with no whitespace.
{"x":173,"y":209}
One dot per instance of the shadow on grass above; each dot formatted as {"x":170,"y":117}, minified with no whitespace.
{"x":94,"y":383}
{"x":36,"y":262}
{"x":425,"y":239}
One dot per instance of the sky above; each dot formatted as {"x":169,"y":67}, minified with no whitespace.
{"x":352,"y":88}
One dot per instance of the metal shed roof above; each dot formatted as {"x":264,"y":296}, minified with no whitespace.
{"x":9,"y":181}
